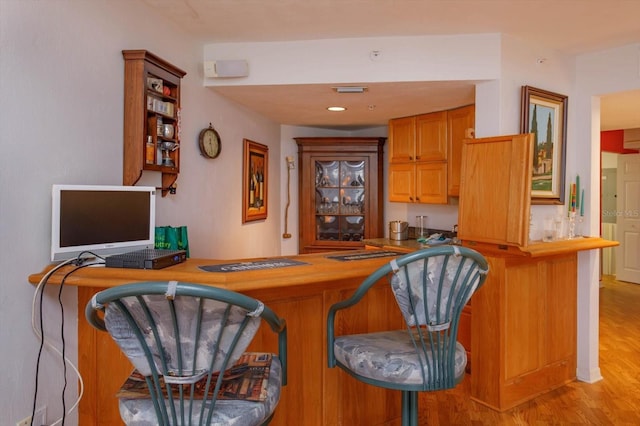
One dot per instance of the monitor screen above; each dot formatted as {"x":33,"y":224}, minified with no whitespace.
{"x":103,"y":220}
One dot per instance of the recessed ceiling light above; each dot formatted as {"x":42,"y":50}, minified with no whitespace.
{"x":350,"y":89}
{"x":336,"y":108}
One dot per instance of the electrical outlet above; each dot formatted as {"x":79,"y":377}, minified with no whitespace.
{"x":24,"y":422}
{"x":41,"y":417}
{"x":39,"y":420}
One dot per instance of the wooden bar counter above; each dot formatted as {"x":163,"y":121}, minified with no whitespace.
{"x":521,"y":326}
{"x":302,"y":294}
{"x":520,"y":329}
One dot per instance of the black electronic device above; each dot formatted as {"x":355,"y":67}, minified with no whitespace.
{"x":146,"y":259}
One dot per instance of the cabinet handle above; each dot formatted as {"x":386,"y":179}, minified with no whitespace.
{"x":410,"y":157}
{"x":417,"y":199}
{"x":417,"y":157}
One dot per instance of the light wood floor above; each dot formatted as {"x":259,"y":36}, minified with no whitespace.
{"x":615,"y":400}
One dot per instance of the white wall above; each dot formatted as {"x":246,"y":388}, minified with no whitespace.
{"x":597,"y":74}
{"x":417,"y":58}
{"x":61,"y":103}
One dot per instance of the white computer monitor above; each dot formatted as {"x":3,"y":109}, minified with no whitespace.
{"x":103,"y":220}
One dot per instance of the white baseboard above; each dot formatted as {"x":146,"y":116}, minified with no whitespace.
{"x":589,"y":376}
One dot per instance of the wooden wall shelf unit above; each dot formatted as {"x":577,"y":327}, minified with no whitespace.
{"x":340,"y":187}
{"x":424,"y":155}
{"x":151,"y":118}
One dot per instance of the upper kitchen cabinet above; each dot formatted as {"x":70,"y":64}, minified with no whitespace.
{"x":418,"y":159}
{"x":460,"y":126}
{"x":151,"y":118}
{"x":431,"y":137}
{"x":340,"y":184}
{"x":495,"y":190}
{"x":418,"y":138}
{"x":402,"y":136}
{"x":425,"y":154}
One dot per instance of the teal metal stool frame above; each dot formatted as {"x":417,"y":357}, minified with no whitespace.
{"x":178,"y":335}
{"x":431,"y":287}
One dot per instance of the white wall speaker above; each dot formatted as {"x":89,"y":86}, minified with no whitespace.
{"x":226,"y":68}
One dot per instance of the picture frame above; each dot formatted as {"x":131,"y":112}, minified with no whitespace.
{"x":255,"y":179}
{"x":544,"y":114}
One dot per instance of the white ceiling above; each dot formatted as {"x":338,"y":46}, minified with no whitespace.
{"x":569,"y":26}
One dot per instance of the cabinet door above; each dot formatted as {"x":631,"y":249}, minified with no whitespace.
{"x":431,"y":183}
{"x":431,"y":136}
{"x":495,"y":190}
{"x":402,"y":136}
{"x":340,"y":199}
{"x":460,"y":126}
{"x":402,"y":182}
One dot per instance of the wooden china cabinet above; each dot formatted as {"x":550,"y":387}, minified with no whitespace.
{"x":340,"y":187}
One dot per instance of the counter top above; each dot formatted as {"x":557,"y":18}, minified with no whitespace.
{"x":533,"y":249}
{"x":386,"y":243}
{"x":312,"y":268}
{"x":539,"y":248}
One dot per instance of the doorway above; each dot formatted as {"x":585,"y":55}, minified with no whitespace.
{"x":628,"y":218}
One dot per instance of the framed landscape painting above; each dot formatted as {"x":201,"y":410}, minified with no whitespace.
{"x":544,"y":114}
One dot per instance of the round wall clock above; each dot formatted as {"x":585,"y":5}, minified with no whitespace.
{"x":210,"y":144}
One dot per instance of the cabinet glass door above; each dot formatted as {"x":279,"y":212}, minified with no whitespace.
{"x":340,"y":191}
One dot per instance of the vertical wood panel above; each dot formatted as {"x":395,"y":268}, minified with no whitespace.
{"x":561,"y":305}
{"x":305,"y":357}
{"x":487,"y":351}
{"x":524,"y":329}
{"x":375,"y":312}
{"x":522,"y":321}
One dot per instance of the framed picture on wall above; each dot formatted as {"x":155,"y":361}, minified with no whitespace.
{"x":254,"y":181}
{"x":544,"y":114}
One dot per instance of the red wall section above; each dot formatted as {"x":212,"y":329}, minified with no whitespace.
{"x":613,"y":141}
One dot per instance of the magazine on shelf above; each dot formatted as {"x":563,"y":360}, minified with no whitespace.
{"x":245,"y":380}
